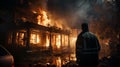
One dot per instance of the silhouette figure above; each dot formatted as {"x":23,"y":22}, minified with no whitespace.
{"x":87,"y":48}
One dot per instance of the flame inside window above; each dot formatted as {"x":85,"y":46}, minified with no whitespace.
{"x":20,"y":38}
{"x":47,"y":41}
{"x":35,"y":39}
{"x":58,"y":41}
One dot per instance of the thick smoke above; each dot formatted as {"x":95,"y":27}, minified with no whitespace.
{"x":73,"y":12}
{"x":100,"y":13}
{"x":69,"y":12}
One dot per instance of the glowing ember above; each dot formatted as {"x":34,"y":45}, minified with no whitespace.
{"x":106,"y":41}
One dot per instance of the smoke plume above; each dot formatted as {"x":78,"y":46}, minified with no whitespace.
{"x":73,"y":12}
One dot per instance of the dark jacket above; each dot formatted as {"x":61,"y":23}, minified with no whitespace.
{"x":87,"y":43}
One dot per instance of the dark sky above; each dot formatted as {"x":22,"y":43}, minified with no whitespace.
{"x":7,"y":4}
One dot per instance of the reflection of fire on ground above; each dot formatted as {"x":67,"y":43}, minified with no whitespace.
{"x":57,"y":61}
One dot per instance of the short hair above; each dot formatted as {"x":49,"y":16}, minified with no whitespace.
{"x":85,"y":26}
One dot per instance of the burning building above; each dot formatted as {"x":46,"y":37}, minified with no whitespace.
{"x":34,"y":25}
{"x":35,"y":30}
{"x":30,"y":31}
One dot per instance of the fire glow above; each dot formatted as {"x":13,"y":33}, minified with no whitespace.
{"x":47,"y":41}
{"x":58,"y":43}
{"x":43,"y":18}
{"x":35,"y":38}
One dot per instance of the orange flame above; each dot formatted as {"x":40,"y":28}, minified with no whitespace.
{"x":47,"y":41}
{"x":58,"y":43}
{"x":35,"y":39}
{"x":42,"y":18}
{"x":58,"y":62}
{"x":57,"y":24}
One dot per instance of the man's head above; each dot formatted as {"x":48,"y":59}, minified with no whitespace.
{"x":84,"y":27}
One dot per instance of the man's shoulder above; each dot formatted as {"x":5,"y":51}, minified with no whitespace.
{"x":88,"y":35}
